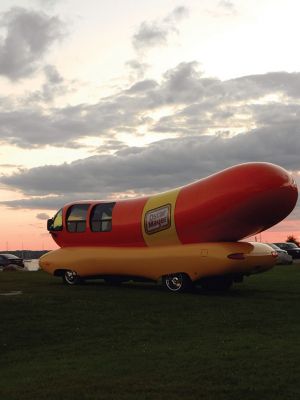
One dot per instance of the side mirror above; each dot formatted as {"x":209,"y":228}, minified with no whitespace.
{"x":50,"y":224}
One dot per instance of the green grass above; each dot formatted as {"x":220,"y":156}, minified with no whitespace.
{"x":139,"y":342}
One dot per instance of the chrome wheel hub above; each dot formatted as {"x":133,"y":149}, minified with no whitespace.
{"x":174,"y":282}
{"x":71,"y":277}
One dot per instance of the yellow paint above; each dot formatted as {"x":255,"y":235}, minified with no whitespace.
{"x":158,"y":202}
{"x":154,"y":262}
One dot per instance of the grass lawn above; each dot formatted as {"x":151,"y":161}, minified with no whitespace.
{"x":139,"y":342}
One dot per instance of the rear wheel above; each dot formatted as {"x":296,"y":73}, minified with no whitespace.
{"x":71,"y":278}
{"x":179,"y":282}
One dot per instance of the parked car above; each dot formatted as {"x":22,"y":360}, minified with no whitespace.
{"x":283,"y":256}
{"x":292,"y":249}
{"x":10,"y":259}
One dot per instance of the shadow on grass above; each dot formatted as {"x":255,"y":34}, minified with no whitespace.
{"x":153,"y":287}
{"x":239,"y":291}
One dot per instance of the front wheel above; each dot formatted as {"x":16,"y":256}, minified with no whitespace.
{"x":71,"y":278}
{"x":179,"y":282}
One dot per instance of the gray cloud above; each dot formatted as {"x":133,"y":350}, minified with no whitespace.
{"x":29,"y":34}
{"x":10,"y":166}
{"x":32,"y":128}
{"x":157,"y":33}
{"x":42,"y":216}
{"x":150,"y":34}
{"x":272,"y":82}
{"x":197,"y":104}
{"x":53,"y":75}
{"x":39,"y":203}
{"x":111,"y":145}
{"x":137,"y":69}
{"x":47,"y":3}
{"x":54,"y":86}
{"x":225,"y":8}
{"x":142,"y":87}
{"x":227,"y":5}
{"x":162,"y":165}
{"x":177,"y":15}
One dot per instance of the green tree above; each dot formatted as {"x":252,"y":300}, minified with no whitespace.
{"x":292,"y":239}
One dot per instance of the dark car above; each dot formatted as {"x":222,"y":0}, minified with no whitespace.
{"x":292,"y":249}
{"x":10,"y":259}
{"x":283,"y":256}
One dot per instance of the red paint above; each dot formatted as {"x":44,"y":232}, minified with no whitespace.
{"x":227,"y":206}
{"x":235,"y":203}
{"x":127,"y":231}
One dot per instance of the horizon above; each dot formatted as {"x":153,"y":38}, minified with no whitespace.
{"x":256,"y":238}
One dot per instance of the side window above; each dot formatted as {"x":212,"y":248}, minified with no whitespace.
{"x":101,"y":217}
{"x":76,"y":217}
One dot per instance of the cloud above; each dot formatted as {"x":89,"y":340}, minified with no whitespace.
{"x":142,"y":86}
{"x":151,"y":34}
{"x":29,"y":34}
{"x":111,"y":146}
{"x":183,"y":84}
{"x":53,"y":75}
{"x":33,"y":127}
{"x":197,"y":105}
{"x":137,"y":69}
{"x":156,"y":33}
{"x":225,"y":8}
{"x":227,"y":5}
{"x":39,"y":203}
{"x":42,"y":216}
{"x":159,"y":166}
{"x":47,"y":3}
{"x":10,"y":166}
{"x":53,"y":87}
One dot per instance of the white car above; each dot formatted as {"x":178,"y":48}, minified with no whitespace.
{"x":283,"y":256}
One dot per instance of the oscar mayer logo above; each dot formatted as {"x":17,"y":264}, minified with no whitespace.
{"x":158,"y":219}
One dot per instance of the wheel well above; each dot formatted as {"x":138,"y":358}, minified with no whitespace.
{"x":59,"y":272}
{"x":175,"y":273}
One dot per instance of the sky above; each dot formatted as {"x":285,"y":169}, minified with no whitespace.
{"x":118,"y":99}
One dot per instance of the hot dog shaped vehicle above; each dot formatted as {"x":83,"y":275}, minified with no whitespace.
{"x":183,"y":236}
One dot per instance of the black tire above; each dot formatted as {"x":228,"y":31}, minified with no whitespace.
{"x":11,"y":267}
{"x":71,"y":278}
{"x":178,"y":282}
{"x":216,"y":283}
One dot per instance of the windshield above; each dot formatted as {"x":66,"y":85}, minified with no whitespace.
{"x":274,"y":246}
{"x":292,"y":245}
{"x":57,"y":224}
{"x":9,"y":256}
